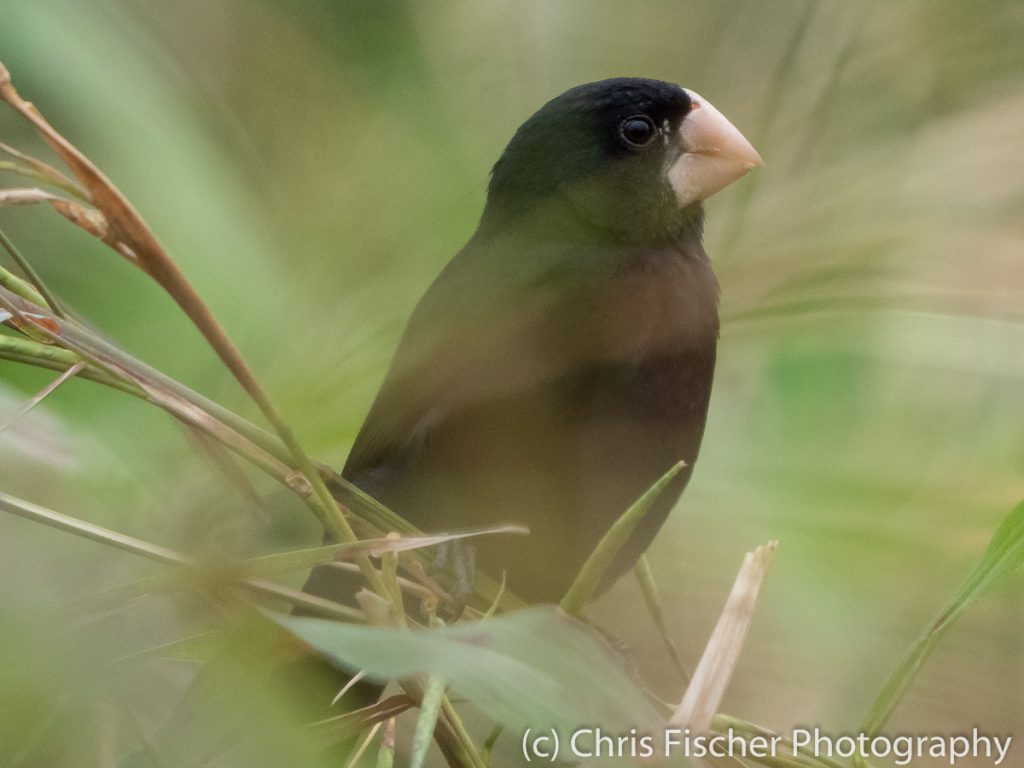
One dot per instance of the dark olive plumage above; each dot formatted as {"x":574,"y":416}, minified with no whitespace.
{"x":563,"y":360}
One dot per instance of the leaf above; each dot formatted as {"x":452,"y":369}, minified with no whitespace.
{"x":596,"y":567}
{"x":1004,"y":554}
{"x":533,"y":668}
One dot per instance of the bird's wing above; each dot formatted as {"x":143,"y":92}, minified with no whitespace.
{"x":475,"y":335}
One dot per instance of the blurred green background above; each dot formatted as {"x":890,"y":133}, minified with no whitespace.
{"x":312,"y":165}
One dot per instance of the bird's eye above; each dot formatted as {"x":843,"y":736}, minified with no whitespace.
{"x":638,"y":130}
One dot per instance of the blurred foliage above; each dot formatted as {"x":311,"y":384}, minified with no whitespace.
{"x":313,"y":165}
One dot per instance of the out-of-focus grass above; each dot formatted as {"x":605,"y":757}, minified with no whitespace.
{"x":313,"y":165}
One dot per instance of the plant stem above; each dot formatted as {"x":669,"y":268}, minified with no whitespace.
{"x":257,"y":446}
{"x":166,"y":556}
{"x":48,"y":298}
{"x":129,"y":235}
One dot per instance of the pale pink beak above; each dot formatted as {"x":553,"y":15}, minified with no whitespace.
{"x":715,"y":154}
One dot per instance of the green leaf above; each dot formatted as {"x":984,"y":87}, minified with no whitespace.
{"x":596,"y":567}
{"x":534,"y":668}
{"x":1005,"y":553}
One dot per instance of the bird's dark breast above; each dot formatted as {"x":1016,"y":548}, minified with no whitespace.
{"x":627,"y":366}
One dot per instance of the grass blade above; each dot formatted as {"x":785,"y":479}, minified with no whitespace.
{"x":167,"y":556}
{"x":41,"y":171}
{"x":1004,"y":554}
{"x":16,"y":285}
{"x":116,"y":221}
{"x":33,"y":278}
{"x":649,"y":588}
{"x":593,"y":571}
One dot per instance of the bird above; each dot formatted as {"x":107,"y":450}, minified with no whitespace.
{"x":563,"y":360}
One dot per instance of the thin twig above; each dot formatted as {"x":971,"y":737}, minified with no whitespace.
{"x":41,"y":395}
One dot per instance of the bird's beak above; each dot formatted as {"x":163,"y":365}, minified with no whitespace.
{"x":714,"y":155}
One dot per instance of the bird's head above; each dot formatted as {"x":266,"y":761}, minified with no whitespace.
{"x":629,"y":156}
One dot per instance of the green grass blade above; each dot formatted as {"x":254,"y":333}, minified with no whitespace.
{"x":21,"y":287}
{"x":34,"y":280}
{"x":1004,"y":554}
{"x":86,"y":530}
{"x":652,"y":598}
{"x":135,"y":546}
{"x":594,"y":569}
